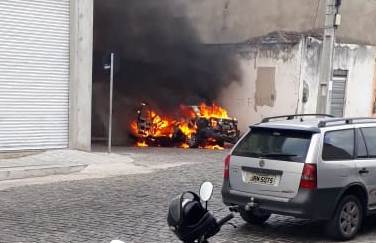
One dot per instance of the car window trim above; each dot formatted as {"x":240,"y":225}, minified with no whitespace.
{"x":365,"y":141}
{"x":322,"y":150}
{"x":359,"y":133}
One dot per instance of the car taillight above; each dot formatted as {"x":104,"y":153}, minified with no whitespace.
{"x":309,"y":177}
{"x":227,"y":167}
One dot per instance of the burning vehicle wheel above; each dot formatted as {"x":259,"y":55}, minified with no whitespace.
{"x":193,"y":141}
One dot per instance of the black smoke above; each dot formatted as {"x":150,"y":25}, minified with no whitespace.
{"x":161,"y":59}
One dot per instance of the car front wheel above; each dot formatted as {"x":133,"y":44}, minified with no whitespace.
{"x":347,"y":220}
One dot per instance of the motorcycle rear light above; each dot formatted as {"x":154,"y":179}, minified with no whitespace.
{"x":226,"y":174}
{"x":309,"y":177}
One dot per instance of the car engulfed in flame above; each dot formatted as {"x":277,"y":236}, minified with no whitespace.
{"x":202,"y":126}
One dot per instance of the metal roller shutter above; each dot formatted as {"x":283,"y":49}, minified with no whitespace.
{"x":338,"y":93}
{"x":34,"y":74}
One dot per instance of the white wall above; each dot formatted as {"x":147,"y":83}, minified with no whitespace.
{"x":239,"y":98}
{"x":360,"y":63}
{"x":295,"y":66}
{"x":310,"y":73}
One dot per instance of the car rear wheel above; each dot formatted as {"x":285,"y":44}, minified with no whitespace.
{"x":347,"y":220}
{"x":254,"y":217}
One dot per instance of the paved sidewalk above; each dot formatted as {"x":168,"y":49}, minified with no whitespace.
{"x":98,"y":165}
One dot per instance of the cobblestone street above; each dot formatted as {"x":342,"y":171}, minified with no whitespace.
{"x":133,"y":208}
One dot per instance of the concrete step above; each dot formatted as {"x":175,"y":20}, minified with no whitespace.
{"x":22,"y":172}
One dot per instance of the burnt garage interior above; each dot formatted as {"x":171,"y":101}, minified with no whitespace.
{"x":159,"y":60}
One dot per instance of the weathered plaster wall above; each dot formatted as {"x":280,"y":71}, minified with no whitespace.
{"x":281,"y":96}
{"x":310,"y":73}
{"x":238,"y":20}
{"x":296,"y":72}
{"x":360,"y":63}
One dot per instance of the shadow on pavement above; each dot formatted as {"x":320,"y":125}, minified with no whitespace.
{"x":288,"y":229}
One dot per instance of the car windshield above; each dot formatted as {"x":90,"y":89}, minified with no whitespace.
{"x":286,"y":145}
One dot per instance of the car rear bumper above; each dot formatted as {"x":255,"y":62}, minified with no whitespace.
{"x":316,"y":204}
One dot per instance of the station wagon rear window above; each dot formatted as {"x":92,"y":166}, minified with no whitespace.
{"x":338,"y":145}
{"x":275,"y":144}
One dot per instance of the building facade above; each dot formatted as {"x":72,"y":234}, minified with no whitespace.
{"x":281,"y":76}
{"x":45,"y":74}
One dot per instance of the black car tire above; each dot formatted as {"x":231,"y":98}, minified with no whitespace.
{"x":254,"y":217}
{"x":347,"y":220}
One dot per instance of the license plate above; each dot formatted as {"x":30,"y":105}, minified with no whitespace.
{"x":254,"y":178}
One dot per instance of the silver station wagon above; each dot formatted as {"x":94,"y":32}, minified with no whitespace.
{"x":309,"y":166}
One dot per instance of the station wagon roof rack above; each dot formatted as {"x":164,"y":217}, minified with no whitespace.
{"x":344,"y":121}
{"x":291,"y":117}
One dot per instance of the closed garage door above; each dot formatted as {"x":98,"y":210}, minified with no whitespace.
{"x":34,"y":74}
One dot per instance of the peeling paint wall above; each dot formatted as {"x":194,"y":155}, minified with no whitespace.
{"x":359,"y":61}
{"x":310,"y":73}
{"x":270,"y":84}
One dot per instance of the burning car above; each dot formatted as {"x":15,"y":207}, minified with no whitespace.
{"x":205,"y":126}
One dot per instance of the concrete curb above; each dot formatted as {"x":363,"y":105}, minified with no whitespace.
{"x":22,"y":172}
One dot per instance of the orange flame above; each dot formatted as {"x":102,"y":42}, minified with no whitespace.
{"x":184,"y":146}
{"x":214,"y":147}
{"x":134,"y":128}
{"x":142,"y":144}
{"x":213,"y":111}
{"x":162,"y":126}
{"x":187,"y":129}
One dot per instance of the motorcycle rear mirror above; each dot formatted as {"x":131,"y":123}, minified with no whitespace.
{"x":206,"y":191}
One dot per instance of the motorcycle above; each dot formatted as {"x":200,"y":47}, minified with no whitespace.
{"x":190,"y":220}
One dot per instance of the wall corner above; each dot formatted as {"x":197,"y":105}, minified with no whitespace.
{"x":81,"y":54}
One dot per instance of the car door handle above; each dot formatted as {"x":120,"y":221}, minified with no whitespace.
{"x":363,"y":171}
